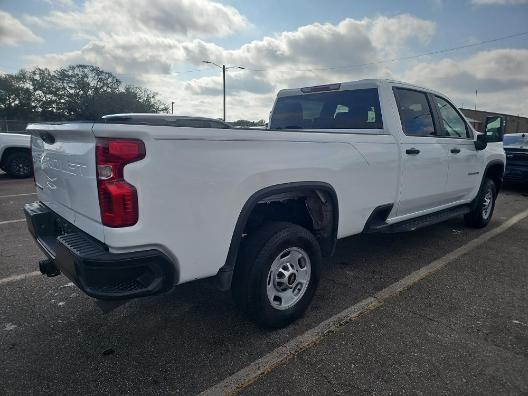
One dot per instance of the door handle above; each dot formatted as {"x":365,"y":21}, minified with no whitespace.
{"x":455,"y":150}
{"x":412,"y":151}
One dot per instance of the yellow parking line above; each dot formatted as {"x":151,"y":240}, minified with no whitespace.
{"x":14,"y":278}
{"x":11,"y":221}
{"x":17,"y":195}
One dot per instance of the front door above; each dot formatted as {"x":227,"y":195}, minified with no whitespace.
{"x":464,"y":162}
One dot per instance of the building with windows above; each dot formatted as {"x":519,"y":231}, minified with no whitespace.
{"x":514,"y":123}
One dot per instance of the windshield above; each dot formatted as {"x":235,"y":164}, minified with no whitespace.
{"x":516,"y":140}
{"x":353,"y":109}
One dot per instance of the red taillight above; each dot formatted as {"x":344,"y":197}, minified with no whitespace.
{"x":117,"y":198}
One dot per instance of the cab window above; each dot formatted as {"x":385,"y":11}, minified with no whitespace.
{"x":415,"y":113}
{"x":452,"y":122}
{"x":348,"y":109}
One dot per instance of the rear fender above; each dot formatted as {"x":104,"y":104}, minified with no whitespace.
{"x":225,"y":273}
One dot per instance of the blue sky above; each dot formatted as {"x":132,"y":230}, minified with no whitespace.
{"x":149,"y":42}
{"x":458,"y":20}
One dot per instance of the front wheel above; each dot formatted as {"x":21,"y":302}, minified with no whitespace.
{"x":19,"y":165}
{"x":481,"y":214}
{"x":277,"y":274}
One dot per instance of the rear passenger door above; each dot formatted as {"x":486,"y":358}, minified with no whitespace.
{"x":424,"y":160}
{"x":463,"y":160}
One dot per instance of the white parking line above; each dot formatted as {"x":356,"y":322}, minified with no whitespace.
{"x":11,"y":221}
{"x":14,"y":278}
{"x":249,"y":374}
{"x":17,"y":195}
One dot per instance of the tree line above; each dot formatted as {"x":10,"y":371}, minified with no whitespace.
{"x":78,"y":92}
{"x":248,"y":123}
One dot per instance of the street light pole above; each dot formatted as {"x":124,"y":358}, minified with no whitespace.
{"x":172,"y":107}
{"x":223,"y":83}
{"x":224,"y":68}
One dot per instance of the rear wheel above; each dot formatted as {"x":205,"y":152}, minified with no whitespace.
{"x":277,"y":274}
{"x":19,"y":165}
{"x":481,"y":215}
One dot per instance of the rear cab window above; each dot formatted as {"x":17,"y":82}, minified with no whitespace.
{"x":346,"y":109}
{"x":415,"y":112}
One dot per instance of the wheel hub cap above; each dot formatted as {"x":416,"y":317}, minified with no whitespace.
{"x":21,"y":166}
{"x":487,"y":204}
{"x":288,"y":278}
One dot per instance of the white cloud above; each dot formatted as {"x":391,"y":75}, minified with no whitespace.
{"x":499,"y":2}
{"x":173,"y":17}
{"x":60,"y":3}
{"x":240,"y":104}
{"x":311,"y":46}
{"x":149,"y":58}
{"x":300,"y":57}
{"x":348,"y":42}
{"x":124,"y":54}
{"x":392,"y":34}
{"x":13,"y":32}
{"x":499,"y":76}
{"x":238,"y":81}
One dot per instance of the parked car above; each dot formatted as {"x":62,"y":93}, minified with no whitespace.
{"x":516,"y":148}
{"x":15,"y":155}
{"x":130,"y":210}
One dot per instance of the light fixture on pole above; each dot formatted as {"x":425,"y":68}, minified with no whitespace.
{"x":224,"y":68}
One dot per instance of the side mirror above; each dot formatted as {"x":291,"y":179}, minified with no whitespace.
{"x":494,"y":128}
{"x":481,"y":143}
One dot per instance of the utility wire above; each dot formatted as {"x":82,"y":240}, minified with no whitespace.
{"x":191,"y":70}
{"x":436,"y":52}
{"x":380,"y":61}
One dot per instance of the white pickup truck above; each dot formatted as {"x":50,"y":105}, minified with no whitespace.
{"x":133,"y":205}
{"x":15,"y":155}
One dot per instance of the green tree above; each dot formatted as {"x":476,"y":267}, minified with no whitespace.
{"x":79,"y":92}
{"x":16,"y":96}
{"x":247,"y":123}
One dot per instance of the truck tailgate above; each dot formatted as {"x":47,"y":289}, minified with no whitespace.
{"x":65,"y":173}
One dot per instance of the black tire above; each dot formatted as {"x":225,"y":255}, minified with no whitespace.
{"x":252,"y":273}
{"x":481,"y":215}
{"x":19,"y":165}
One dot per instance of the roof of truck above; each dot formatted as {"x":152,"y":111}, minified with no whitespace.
{"x":358,"y":84}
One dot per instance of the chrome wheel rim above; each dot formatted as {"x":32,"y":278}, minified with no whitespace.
{"x":487,"y":204}
{"x":288,"y":278}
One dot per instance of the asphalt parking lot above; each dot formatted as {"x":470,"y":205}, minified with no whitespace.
{"x":464,"y":329}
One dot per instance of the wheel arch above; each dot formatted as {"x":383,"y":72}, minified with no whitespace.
{"x":494,"y":171}
{"x":327,"y":243}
